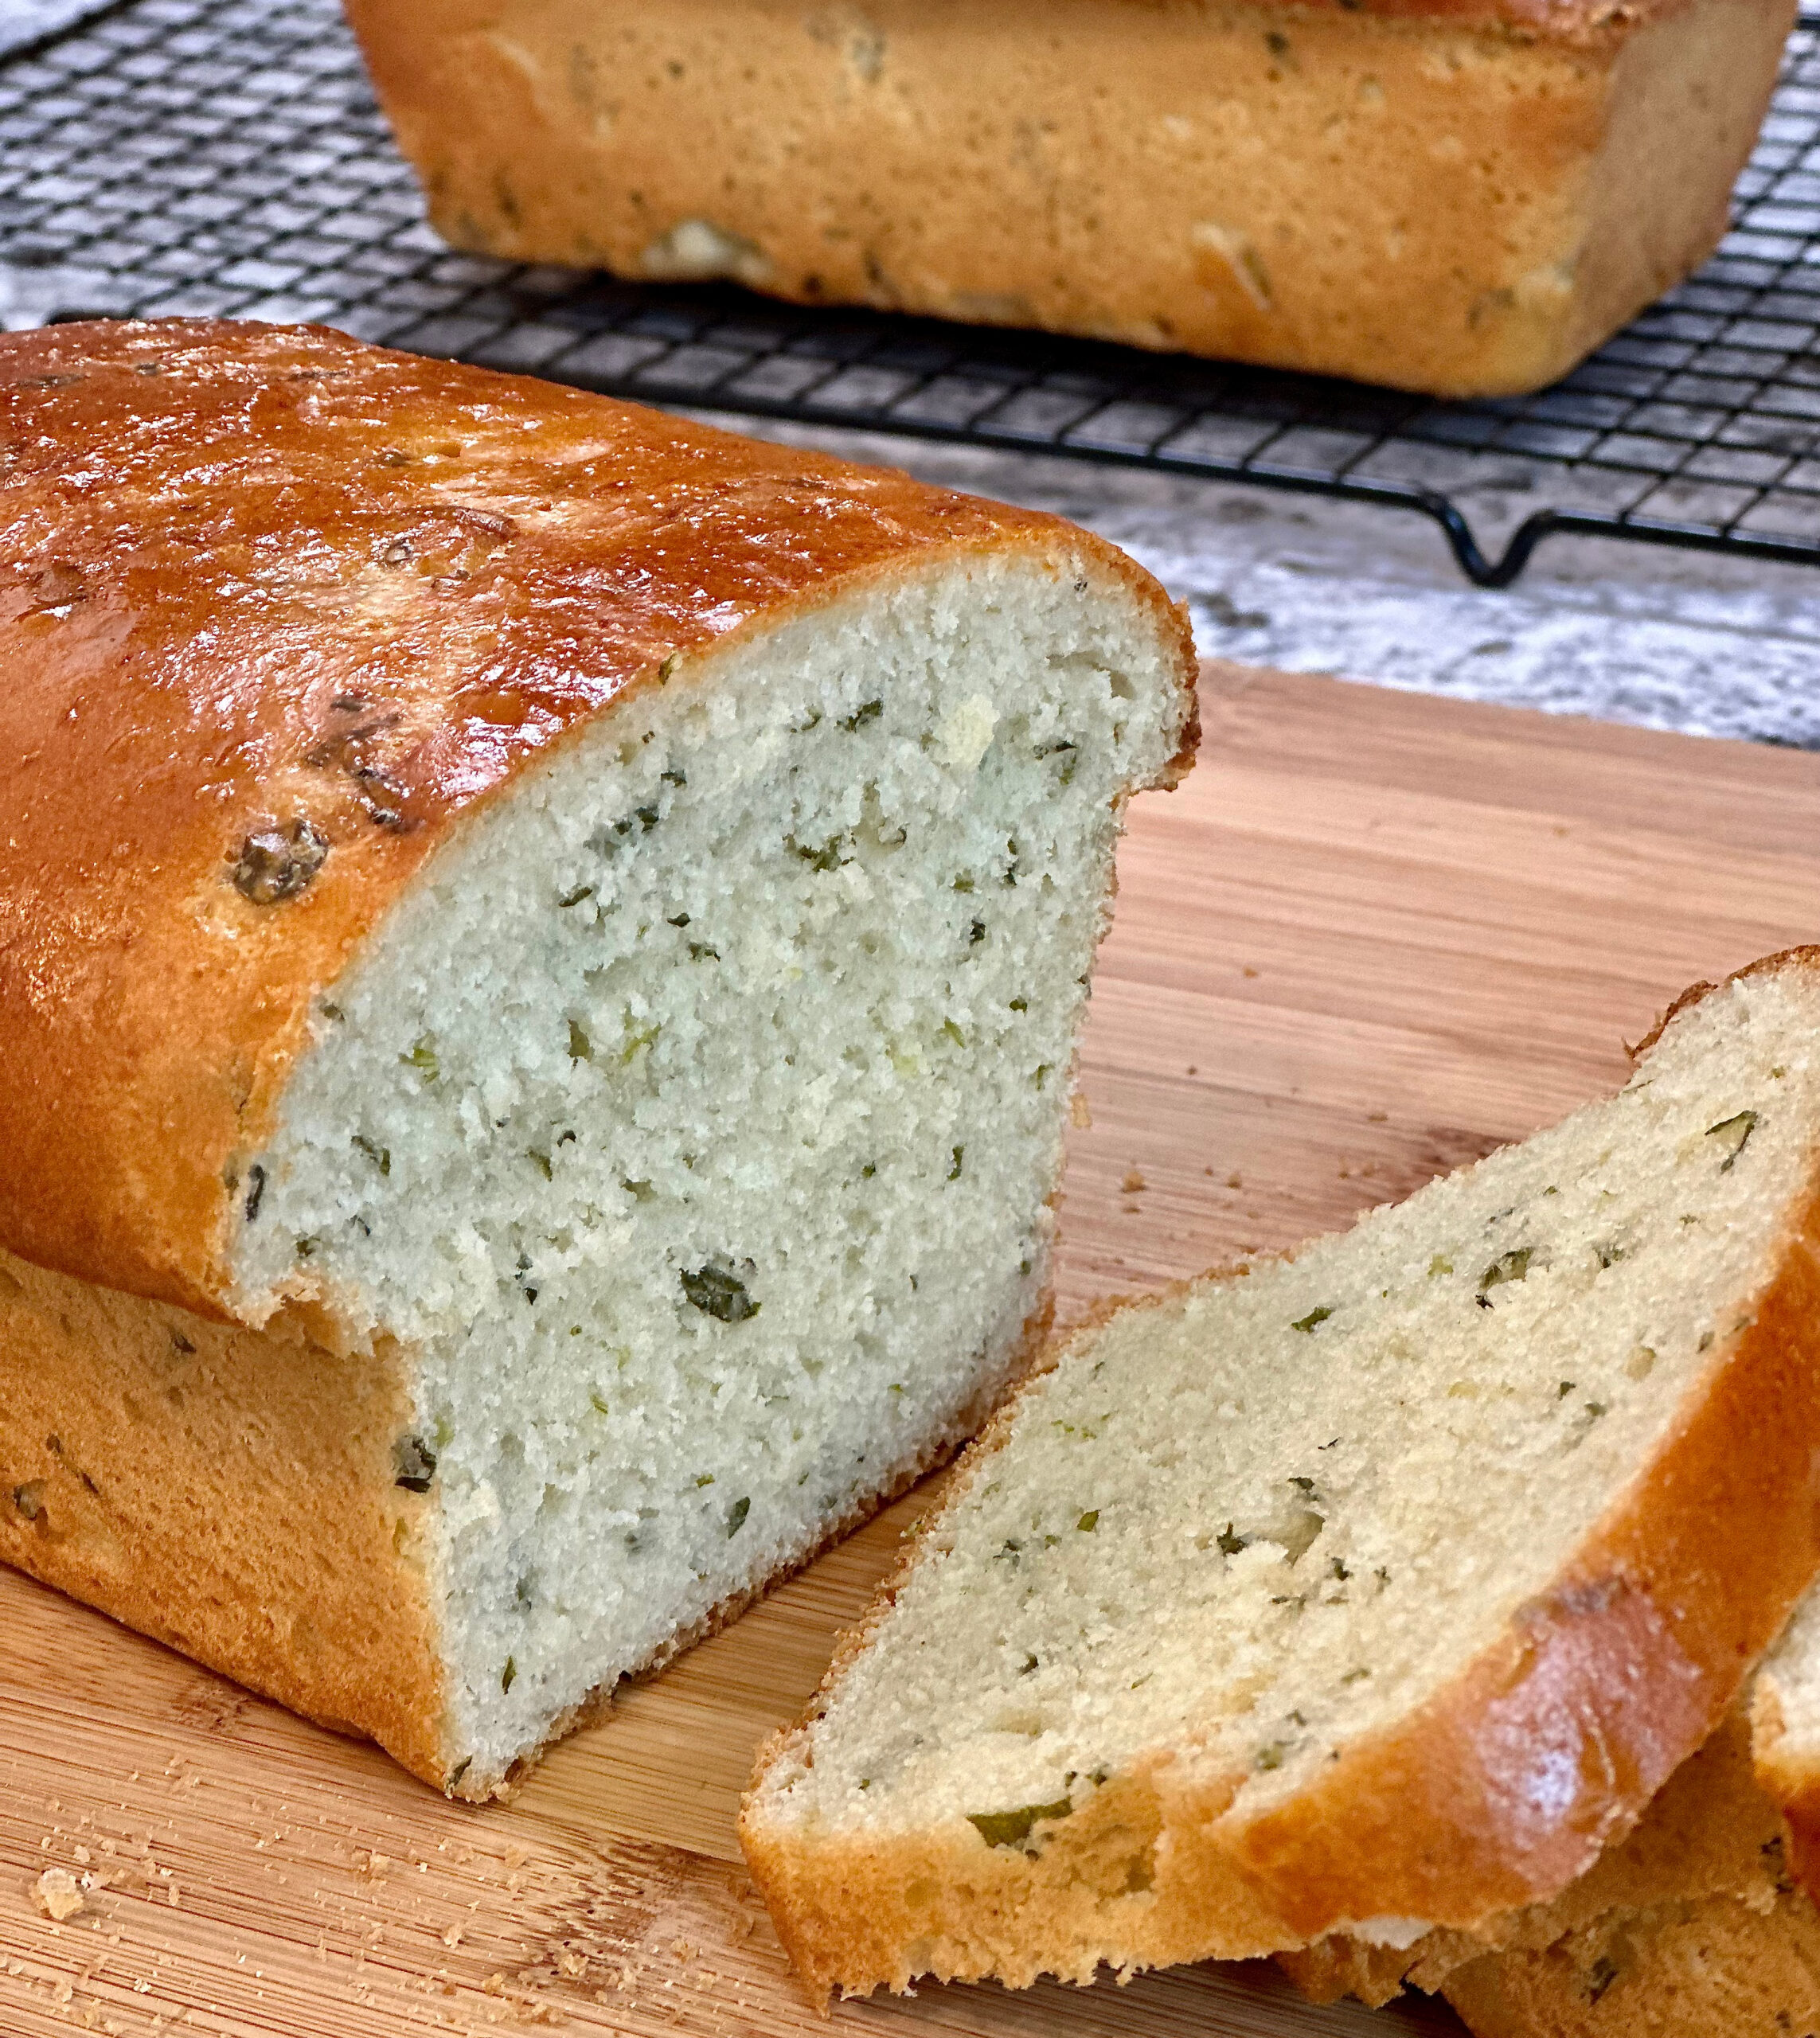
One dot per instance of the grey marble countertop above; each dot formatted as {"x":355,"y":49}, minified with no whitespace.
{"x":1629,"y":633}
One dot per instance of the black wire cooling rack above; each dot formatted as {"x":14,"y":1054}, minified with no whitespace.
{"x":226,"y":157}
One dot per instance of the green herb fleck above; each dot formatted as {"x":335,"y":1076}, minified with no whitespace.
{"x":953,"y":1032}
{"x":600,"y":1407}
{"x":1734,"y":1135}
{"x":1020,"y":1005}
{"x":640,"y":1192}
{"x":509,"y":1676}
{"x":868,"y":711}
{"x":700,"y":952}
{"x":575,"y":898}
{"x":827,"y":857}
{"x":704,"y":1478}
{"x":976,"y":933}
{"x":1512,"y":1265}
{"x":414,"y":1464}
{"x":423,"y":1057}
{"x":1089,"y":1521}
{"x":1013,"y":1829}
{"x":581,"y":1048}
{"x":1437,"y":1267}
{"x":736,"y":1517}
{"x":719,"y":1293}
{"x":1306,"y":1324}
{"x":1355,"y":1676}
{"x":963,"y":883}
{"x":540,"y":1161}
{"x":675,"y":776}
{"x":305,"y":1248}
{"x":1230,"y":1544}
{"x":380,"y":1156}
{"x":1564,"y":1390}
{"x":954,"y":1173}
{"x":1270,"y":1756}
{"x":636,"y":1038}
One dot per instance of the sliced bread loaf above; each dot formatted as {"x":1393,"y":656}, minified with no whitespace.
{"x":540,"y":952}
{"x":1369,"y":1590}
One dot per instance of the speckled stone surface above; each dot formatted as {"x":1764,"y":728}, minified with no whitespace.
{"x":1629,"y":633}
{"x":25,"y":20}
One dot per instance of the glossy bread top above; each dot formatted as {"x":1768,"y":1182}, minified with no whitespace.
{"x":275,"y":607}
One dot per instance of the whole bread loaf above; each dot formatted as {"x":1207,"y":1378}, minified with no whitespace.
{"x":1368,"y":1591}
{"x":540,"y":950}
{"x":1453,"y":196}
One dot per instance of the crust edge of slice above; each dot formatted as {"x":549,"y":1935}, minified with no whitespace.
{"x":1616,"y":1676}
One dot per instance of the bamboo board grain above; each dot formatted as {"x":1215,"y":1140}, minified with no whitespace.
{"x":1375,"y":935}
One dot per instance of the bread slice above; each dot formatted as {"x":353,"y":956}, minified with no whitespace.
{"x":1369,"y":1591}
{"x":1702,"y":1921}
{"x":1693,"y":1929}
{"x":1708,"y":1853}
{"x":540,"y":952}
{"x":1787,"y":1726}
{"x":1737,"y":1964}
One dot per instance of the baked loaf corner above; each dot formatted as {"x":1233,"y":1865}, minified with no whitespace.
{"x":1366,"y":1591}
{"x":540,"y":951}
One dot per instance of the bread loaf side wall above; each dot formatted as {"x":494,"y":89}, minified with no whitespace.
{"x":1687,"y":96}
{"x":1458,"y":205}
{"x":244,"y":1496}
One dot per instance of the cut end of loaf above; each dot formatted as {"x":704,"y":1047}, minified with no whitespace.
{"x":693,"y":1126}
{"x":1376,"y":1585}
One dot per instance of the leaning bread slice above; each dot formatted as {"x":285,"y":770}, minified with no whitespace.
{"x":1697,"y":1923}
{"x":1708,"y":1851}
{"x":1694,"y":1928}
{"x":1368,"y":1590}
{"x":540,"y":951}
{"x":1786,"y":1734}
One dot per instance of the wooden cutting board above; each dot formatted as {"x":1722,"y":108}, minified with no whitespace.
{"x":1374,"y":935}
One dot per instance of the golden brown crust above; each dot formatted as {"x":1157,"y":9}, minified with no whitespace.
{"x":277,"y":610}
{"x":1711,"y":1832}
{"x":1806,"y":956}
{"x":231,"y":1493}
{"x":1787,"y":1773}
{"x":1740,"y":1959}
{"x":1496,"y":1795}
{"x":1460,"y":197}
{"x":1612,"y":1680}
